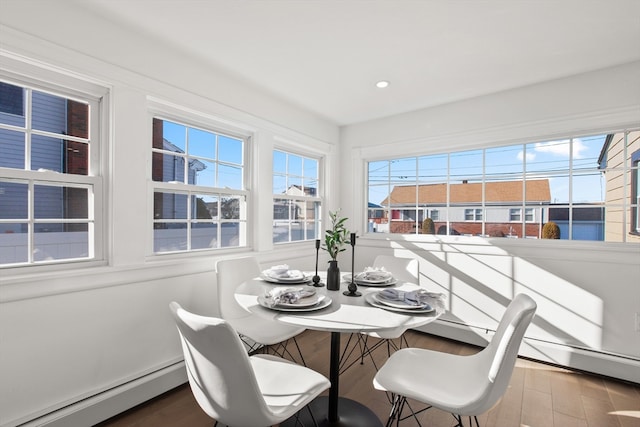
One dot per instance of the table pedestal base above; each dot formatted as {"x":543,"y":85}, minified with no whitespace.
{"x":350,"y":413}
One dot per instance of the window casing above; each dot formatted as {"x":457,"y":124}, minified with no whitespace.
{"x":512,"y":191}
{"x":297,"y":205}
{"x":199,"y":190}
{"x":50,"y":182}
{"x":635,"y":194}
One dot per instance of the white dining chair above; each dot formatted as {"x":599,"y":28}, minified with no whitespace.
{"x":256,"y":333}
{"x":403,"y":270}
{"x":234,"y":388}
{"x":462,"y":385}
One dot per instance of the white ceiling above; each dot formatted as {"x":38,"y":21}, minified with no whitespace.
{"x":326,"y":55}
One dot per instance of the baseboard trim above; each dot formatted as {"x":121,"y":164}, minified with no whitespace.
{"x":611,"y":365}
{"x":105,"y":405}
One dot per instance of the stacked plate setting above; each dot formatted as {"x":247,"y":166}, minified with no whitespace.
{"x":281,"y":274}
{"x":399,"y":304}
{"x":372,"y":277}
{"x":294,"y":299}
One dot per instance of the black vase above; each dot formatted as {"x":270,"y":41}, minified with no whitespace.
{"x":333,"y":276}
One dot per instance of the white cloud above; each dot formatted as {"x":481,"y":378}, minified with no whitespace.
{"x":558,"y":148}
{"x":578,"y":149}
{"x":561,"y":148}
{"x":531,"y":156}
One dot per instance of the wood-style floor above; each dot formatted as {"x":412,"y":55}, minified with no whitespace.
{"x":539,"y":395}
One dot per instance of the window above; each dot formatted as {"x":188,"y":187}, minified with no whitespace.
{"x":434,"y":214}
{"x":11,"y":99}
{"x":515,"y":214}
{"x":50,"y":187}
{"x":529,"y":215}
{"x":473,"y":214}
{"x":296,"y":200}
{"x":512,"y":191}
{"x":199,"y":196}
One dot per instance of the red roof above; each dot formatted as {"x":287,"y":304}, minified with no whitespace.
{"x":495,"y":192}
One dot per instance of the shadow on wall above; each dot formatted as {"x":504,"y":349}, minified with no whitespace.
{"x":480,"y":279}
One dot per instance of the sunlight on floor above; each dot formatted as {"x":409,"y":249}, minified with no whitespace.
{"x":630,"y":414}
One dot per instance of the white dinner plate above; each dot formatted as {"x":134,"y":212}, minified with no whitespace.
{"x":305,"y":278}
{"x":371,"y":299}
{"x":362,"y":282}
{"x":323,"y":301}
{"x":303,"y":302}
{"x":397,"y":304}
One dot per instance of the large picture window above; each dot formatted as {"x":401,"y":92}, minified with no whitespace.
{"x":296,"y":200}
{"x":50,"y":183}
{"x":199,"y":195}
{"x":578,"y":183}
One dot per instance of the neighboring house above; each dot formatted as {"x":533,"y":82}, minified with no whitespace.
{"x":623,"y":215}
{"x":172,"y":168}
{"x":300,"y":209}
{"x":501,"y":215}
{"x":57,"y":116}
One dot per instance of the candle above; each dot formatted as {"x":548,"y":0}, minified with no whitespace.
{"x":353,"y":239}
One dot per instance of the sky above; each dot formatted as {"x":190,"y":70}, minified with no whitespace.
{"x":207,"y":147}
{"x":541,"y":160}
{"x":550,"y":160}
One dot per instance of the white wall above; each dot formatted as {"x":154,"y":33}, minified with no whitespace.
{"x":587,"y":292}
{"x":104,"y":333}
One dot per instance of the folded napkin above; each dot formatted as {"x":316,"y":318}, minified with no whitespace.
{"x":417,"y":298}
{"x":277,"y":269}
{"x":287,"y":295}
{"x":374,"y":274}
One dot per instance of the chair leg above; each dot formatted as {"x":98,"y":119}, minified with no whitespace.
{"x":280,"y":349}
{"x":285,"y":351}
{"x":315,"y":423}
{"x":396,"y":409}
{"x":348,"y":351}
{"x":461,"y":424}
{"x":295,"y":341}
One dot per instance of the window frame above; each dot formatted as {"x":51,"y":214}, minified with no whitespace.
{"x":33,"y":78}
{"x":634,"y":202}
{"x":202,"y":122}
{"x":528,"y":216}
{"x":317,"y":199}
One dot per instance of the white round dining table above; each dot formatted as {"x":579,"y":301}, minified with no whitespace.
{"x":344,"y":314}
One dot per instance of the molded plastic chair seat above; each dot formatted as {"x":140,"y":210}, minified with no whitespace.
{"x":260,"y":332}
{"x":235,"y":388}
{"x":463,"y":385}
{"x":269,"y":334}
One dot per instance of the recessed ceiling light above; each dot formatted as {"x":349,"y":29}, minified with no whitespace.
{"x":382,"y":84}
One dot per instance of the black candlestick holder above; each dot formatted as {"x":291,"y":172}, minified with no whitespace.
{"x":353,"y":288}
{"x":316,"y":278}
